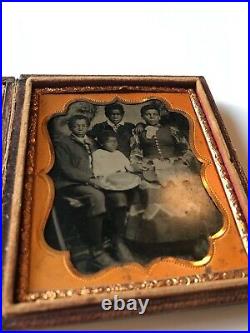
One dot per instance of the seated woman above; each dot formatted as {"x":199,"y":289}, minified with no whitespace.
{"x":179,"y":211}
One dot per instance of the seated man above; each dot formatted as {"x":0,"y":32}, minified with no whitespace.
{"x":72,"y":175}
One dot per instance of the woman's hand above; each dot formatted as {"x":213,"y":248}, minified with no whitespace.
{"x":139,"y":166}
{"x":187,"y":157}
{"x":139,"y":128}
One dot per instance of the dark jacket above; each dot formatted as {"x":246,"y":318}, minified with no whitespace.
{"x":72,"y":162}
{"x":124,"y":134}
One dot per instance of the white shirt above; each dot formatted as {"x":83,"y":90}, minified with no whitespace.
{"x":115,"y":126}
{"x":106,"y":162}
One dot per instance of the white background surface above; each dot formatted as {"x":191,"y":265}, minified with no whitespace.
{"x":207,"y":39}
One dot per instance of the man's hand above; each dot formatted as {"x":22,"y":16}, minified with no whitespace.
{"x":74,"y":202}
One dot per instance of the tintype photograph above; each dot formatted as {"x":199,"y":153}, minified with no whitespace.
{"x":118,"y":186}
{"x":128,"y":186}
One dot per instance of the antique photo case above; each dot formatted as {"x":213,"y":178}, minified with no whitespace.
{"x":122,"y":186}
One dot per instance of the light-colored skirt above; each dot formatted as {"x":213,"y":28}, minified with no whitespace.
{"x":177,"y":207}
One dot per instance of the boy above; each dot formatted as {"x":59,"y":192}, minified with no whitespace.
{"x":73,"y":176}
{"x":124,"y":130}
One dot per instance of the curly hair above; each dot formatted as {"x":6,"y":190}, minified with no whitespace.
{"x":115,"y":106}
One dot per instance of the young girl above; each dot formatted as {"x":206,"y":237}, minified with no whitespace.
{"x":109,"y":159}
{"x":112,"y":171}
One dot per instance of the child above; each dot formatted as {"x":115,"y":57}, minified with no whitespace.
{"x":72,"y":175}
{"x":124,"y":130}
{"x":109,"y":161}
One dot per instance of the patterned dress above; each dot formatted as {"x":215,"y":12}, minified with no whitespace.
{"x":175,"y":205}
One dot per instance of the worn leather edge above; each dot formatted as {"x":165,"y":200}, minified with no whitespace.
{"x":233,"y":155}
{"x":57,"y":81}
{"x":7,"y":191}
{"x":88,"y":313}
{"x":83,"y":314}
{"x":7,"y":106}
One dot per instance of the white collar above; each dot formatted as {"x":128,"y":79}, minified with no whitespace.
{"x":85,"y":139}
{"x":121,"y":123}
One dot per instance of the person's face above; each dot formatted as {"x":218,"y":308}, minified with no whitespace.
{"x":152,"y":117}
{"x":80,"y":127}
{"x":110,"y":144}
{"x":115,"y":116}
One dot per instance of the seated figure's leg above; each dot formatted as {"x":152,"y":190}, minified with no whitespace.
{"x":91,"y":198}
{"x":118,"y":204}
{"x":94,"y":201}
{"x":117,"y":199}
